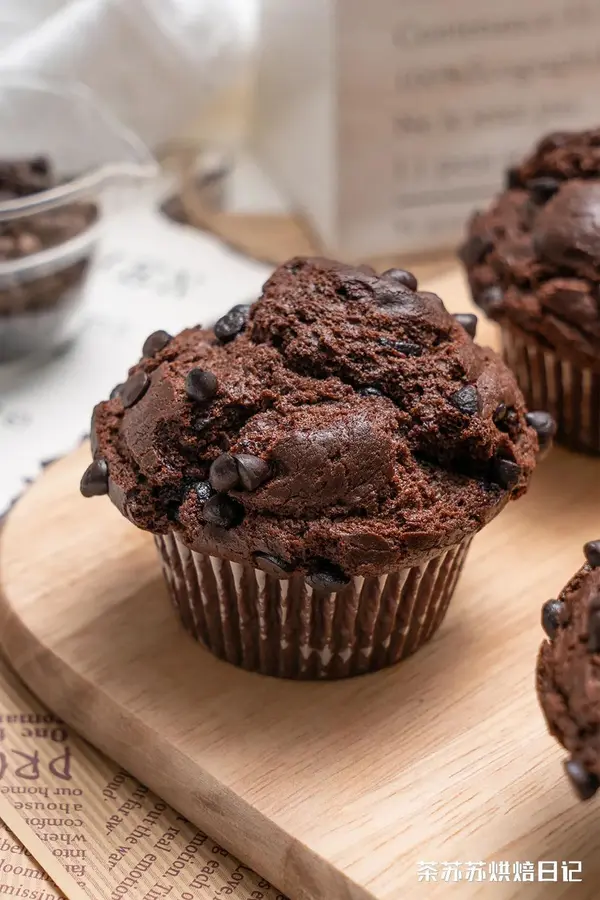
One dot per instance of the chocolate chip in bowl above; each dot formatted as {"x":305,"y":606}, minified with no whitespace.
{"x":44,"y":259}
{"x":66,"y":165}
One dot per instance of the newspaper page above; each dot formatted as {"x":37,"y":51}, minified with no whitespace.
{"x":104,"y":835}
{"x":20,"y":874}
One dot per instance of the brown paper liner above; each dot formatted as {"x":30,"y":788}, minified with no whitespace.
{"x":551,"y":383}
{"x":287,"y":629}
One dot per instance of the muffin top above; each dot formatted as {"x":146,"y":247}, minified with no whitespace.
{"x":533,"y":258}
{"x":568,"y":672}
{"x":344,"y":424}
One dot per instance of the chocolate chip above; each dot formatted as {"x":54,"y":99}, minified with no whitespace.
{"x":490,"y":299}
{"x":506,"y":473}
{"x":475,"y":249}
{"x":272,"y":565}
{"x":370,"y":392}
{"x":593,"y":644}
{"x":468,"y":322}
{"x":544,"y":425}
{"x":591,"y":552}
{"x":551,"y":611}
{"x":232,"y":323}
{"x":204,"y":491}
{"x":252,"y":470}
{"x":201,"y":385}
{"x":223,"y":511}
{"x":202,"y":422}
{"x":542,"y":189}
{"x":584,"y":783}
{"x":406,"y":347}
{"x":94,"y":482}
{"x":155,"y":342}
{"x":223,"y":474}
{"x":403,"y":277}
{"x":500,"y":413}
{"x":512,"y":179}
{"x":25,"y":176}
{"x":505,"y":417}
{"x":40,"y":165}
{"x":466,"y":400}
{"x":134,"y":389}
{"x":327,"y":577}
{"x":116,"y":391}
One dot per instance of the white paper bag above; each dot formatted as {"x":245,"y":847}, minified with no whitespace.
{"x":388,"y":121}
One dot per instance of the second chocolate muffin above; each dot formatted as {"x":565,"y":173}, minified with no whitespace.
{"x":533,"y":261}
{"x":314,"y":468}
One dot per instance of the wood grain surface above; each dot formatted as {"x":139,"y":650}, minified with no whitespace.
{"x":333,"y":791}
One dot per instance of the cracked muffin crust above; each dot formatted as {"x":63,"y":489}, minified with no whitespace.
{"x":568,"y":672}
{"x":345,"y":424}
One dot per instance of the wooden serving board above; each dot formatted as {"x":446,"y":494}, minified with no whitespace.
{"x":332,"y":791}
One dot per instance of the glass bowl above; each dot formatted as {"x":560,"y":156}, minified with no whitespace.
{"x":65,"y":166}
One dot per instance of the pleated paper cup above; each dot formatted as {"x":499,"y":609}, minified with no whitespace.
{"x":569,"y":393}
{"x":288,"y":629}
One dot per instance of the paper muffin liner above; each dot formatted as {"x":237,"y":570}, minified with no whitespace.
{"x":287,"y":629}
{"x":552,"y":383}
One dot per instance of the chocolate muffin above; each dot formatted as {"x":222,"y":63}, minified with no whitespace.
{"x":315,"y":467}
{"x":36,"y":300}
{"x":533,"y":262}
{"x":568,"y":673}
